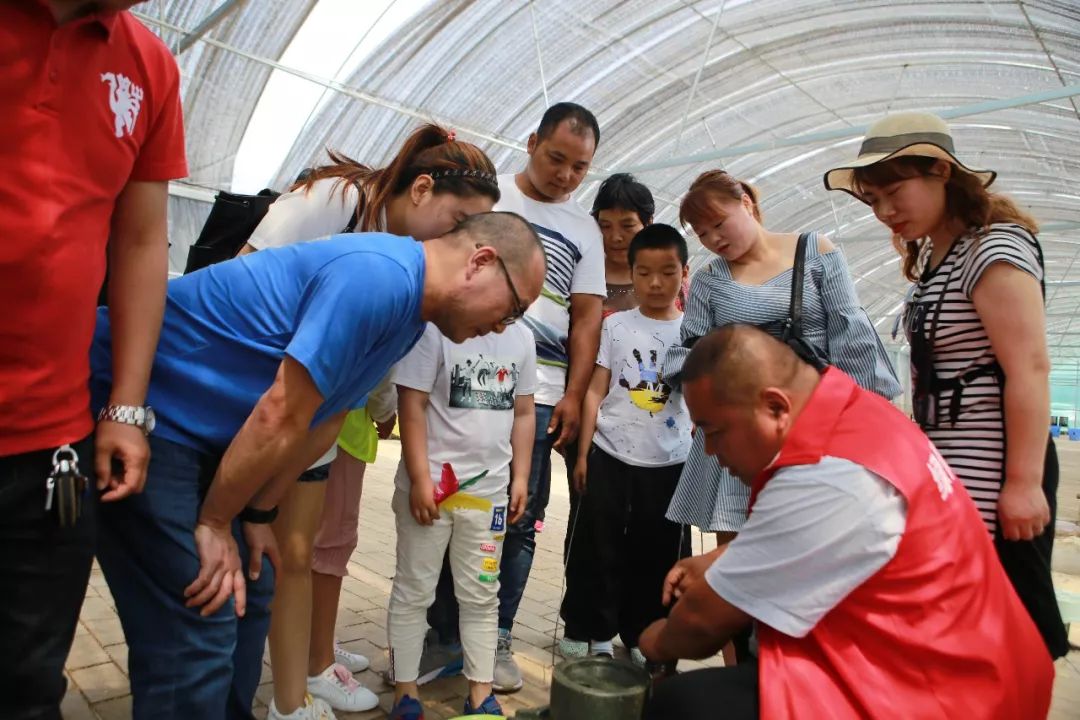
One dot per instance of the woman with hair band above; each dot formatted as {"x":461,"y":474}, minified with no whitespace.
{"x":432,"y":183}
{"x":750,"y":282}
{"x":977,"y":328}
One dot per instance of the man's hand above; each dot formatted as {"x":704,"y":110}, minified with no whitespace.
{"x":684,"y":574}
{"x":519,"y":496}
{"x":386,"y":429}
{"x":220,"y":572}
{"x":422,"y":502}
{"x":567,"y":416}
{"x":128,"y":446}
{"x":1022,"y":510}
{"x":649,"y":641}
{"x":581,"y":470}
{"x":260,"y":541}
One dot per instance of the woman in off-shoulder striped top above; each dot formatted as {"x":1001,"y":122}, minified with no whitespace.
{"x":750,"y":282}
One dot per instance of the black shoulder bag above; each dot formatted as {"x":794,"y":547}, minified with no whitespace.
{"x":791,"y":328}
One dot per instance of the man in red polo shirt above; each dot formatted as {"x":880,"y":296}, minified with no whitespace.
{"x":875,"y":590}
{"x":92,"y":131}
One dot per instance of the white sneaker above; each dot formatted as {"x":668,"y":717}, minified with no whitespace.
{"x":313,"y":709}
{"x":353,"y":662}
{"x":339,"y":689}
{"x":602,"y":648}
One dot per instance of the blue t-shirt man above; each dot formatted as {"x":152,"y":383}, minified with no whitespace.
{"x":346,"y":308}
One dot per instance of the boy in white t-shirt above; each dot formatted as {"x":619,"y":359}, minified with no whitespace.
{"x":467,"y":427}
{"x":635,"y":436}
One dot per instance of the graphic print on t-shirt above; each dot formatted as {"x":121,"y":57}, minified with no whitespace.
{"x":125,"y":100}
{"x":650,"y":393}
{"x":642,"y":421}
{"x":478,"y":382}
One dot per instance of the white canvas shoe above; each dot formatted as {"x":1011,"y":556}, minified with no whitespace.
{"x":338,"y":688}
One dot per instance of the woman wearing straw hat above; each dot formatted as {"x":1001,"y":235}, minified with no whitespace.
{"x":975,"y":319}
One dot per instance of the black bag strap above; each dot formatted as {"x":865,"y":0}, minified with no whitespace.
{"x":793,"y":324}
{"x":359,"y":212}
{"x":792,"y":333}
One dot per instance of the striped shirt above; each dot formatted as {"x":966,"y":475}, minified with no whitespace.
{"x":575,"y":265}
{"x":975,"y":445}
{"x":708,"y":496}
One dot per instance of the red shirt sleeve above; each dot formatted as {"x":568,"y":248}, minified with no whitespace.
{"x":162,"y":155}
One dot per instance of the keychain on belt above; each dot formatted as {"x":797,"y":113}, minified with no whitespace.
{"x":65,"y":487}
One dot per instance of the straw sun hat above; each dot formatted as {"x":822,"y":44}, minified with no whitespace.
{"x":899,"y":135}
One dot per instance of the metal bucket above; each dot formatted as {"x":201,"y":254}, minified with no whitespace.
{"x":595,"y":688}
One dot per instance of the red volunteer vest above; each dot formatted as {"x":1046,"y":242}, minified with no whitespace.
{"x":938,"y":632}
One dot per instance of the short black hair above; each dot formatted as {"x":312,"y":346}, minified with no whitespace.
{"x":658,"y":237}
{"x":581,"y":120}
{"x":622,"y":191}
{"x":510,"y":234}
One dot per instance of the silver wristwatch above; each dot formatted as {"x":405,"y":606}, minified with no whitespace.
{"x":140,"y":417}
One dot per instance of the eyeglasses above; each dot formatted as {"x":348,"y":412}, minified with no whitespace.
{"x":519,"y":308}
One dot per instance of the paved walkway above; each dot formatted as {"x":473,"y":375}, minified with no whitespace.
{"x":97,"y":666}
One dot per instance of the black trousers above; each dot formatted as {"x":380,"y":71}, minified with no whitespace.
{"x":43,"y":574}
{"x":727,"y":693}
{"x":621,"y":550}
{"x":1027,"y":563}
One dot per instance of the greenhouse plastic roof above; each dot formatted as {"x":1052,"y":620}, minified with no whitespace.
{"x":774,"y":91}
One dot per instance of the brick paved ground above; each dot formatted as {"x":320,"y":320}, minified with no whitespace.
{"x":97,"y":666}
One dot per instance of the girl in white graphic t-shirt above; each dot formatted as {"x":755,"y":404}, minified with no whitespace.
{"x":466,"y":441}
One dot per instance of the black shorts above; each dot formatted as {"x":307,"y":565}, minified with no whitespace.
{"x":315,"y":474}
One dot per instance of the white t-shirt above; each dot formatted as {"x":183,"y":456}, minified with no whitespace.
{"x":472,"y":388}
{"x":575,"y":257}
{"x":307,"y":214}
{"x":815,"y":534}
{"x":641,"y":421}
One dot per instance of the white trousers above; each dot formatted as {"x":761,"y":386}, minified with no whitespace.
{"x":475,"y":549}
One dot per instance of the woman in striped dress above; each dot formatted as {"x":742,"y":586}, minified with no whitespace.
{"x":750,"y":282}
{"x":977,"y":328}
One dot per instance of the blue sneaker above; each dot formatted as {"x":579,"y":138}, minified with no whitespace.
{"x":490,"y":706}
{"x":408,"y":708}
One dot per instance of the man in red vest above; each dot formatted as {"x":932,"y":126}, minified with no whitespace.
{"x":875,"y":589}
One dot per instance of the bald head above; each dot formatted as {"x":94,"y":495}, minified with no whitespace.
{"x":742,"y":360}
{"x":744,"y":389}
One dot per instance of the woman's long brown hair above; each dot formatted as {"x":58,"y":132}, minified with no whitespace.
{"x":966,"y":199}
{"x":428,"y":149}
